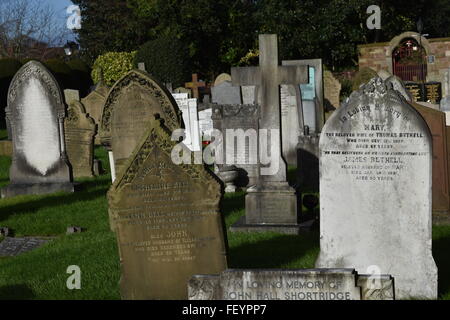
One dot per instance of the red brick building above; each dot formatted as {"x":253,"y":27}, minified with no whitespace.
{"x":411,"y":57}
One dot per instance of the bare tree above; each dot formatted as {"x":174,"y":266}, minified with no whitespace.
{"x":29,"y":29}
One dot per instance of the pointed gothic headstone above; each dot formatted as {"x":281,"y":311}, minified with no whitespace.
{"x":36,"y":113}
{"x":167,"y":219}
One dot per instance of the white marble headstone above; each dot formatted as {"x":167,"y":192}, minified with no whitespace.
{"x":375,"y":191}
{"x":188,"y":108}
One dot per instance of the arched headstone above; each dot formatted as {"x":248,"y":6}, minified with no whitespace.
{"x":132,"y":103}
{"x":36,"y":112}
{"x":375,"y":190}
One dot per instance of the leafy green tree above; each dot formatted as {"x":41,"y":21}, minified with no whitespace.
{"x":109,"y":25}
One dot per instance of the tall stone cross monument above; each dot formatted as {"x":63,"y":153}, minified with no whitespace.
{"x":271,"y":202}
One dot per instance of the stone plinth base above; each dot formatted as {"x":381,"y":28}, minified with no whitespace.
{"x":292,"y":229}
{"x":13,"y":190}
{"x":272,"y":203}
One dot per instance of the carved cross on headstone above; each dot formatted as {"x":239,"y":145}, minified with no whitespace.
{"x":194,"y":85}
{"x":268,"y":77}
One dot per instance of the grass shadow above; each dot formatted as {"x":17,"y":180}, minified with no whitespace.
{"x":276,"y":251}
{"x":232,"y":202}
{"x":16,"y":292}
{"x":441,"y":249}
{"x":49,"y":201}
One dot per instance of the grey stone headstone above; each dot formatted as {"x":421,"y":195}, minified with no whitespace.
{"x":295,"y":284}
{"x":375,"y":190}
{"x":225,"y":93}
{"x":230,"y":119}
{"x":36,"y":113}
{"x":272,"y":201}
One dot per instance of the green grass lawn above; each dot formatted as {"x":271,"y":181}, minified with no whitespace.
{"x":41,"y":274}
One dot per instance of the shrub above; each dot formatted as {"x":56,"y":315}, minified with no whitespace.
{"x":363,"y":76}
{"x":61,"y":71}
{"x":80,"y":76}
{"x":166,"y":59}
{"x":112,"y":66}
{"x":9,"y":67}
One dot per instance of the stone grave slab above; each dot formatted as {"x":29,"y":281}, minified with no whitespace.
{"x":294,"y":284}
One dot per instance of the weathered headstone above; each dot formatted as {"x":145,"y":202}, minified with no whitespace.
{"x":312,"y":94}
{"x":79,"y":131}
{"x":221,"y":78}
{"x":231,"y":120}
{"x":291,"y":112}
{"x":36,"y":112}
{"x":205,"y":123}
{"x":440,"y":178}
{"x":167,"y":219}
{"x":225,"y":93}
{"x":375,"y":190}
{"x":436,"y":123}
{"x":188,"y":108}
{"x":249,"y":95}
{"x":294,"y":284}
{"x":183,"y":90}
{"x":132,"y":103}
{"x":271,"y":201}
{"x":71,"y":95}
{"x":332,"y":90}
{"x":94,"y":104}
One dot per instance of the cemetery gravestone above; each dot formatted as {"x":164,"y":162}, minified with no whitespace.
{"x":225,"y":93}
{"x":436,"y":123}
{"x":291,"y":120}
{"x":271,"y":202}
{"x":375,"y":190}
{"x":36,"y":113}
{"x":312,"y":94}
{"x":132,"y":103}
{"x":249,"y":94}
{"x":440,"y":178}
{"x":233,"y":119}
{"x":71,"y":95}
{"x":93,"y":104}
{"x":206,"y":123}
{"x":183,"y":90}
{"x":294,"y":284}
{"x":188,"y":108}
{"x":168,"y":221}
{"x":332,"y":89}
{"x":79,"y":133}
{"x":221,"y":78}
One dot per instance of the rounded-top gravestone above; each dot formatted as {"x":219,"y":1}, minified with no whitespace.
{"x":375,"y":190}
{"x":36,"y":113}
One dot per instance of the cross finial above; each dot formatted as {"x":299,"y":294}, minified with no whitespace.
{"x":194,"y":85}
